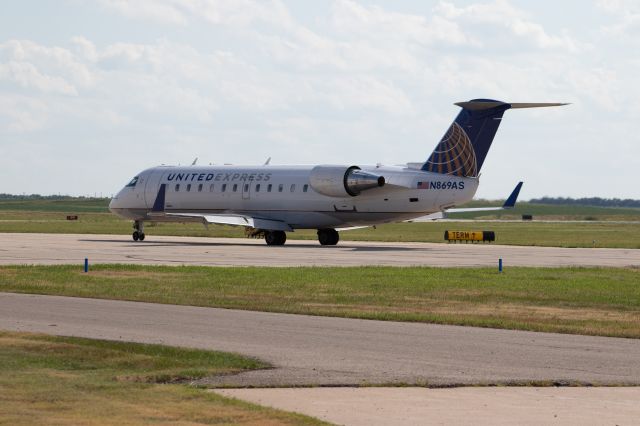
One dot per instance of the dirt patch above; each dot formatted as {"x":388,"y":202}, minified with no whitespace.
{"x":512,"y":312}
{"x":160,"y":276}
{"x":543,"y":312}
{"x":8,"y":272}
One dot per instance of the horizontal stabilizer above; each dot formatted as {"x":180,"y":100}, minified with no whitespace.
{"x":538,"y":105}
{"x":482,"y":105}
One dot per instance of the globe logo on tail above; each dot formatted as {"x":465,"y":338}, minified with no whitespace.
{"x":454,"y":155}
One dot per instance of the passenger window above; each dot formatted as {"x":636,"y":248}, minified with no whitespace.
{"x":224,"y":187}
{"x":211,"y":188}
{"x":258,"y":188}
{"x":269,"y":187}
{"x":293,"y":187}
{"x":200,"y":188}
{"x":188,"y":187}
{"x":235,"y":187}
{"x":177,"y":187}
{"x":280,"y":187}
{"x":305,"y":188}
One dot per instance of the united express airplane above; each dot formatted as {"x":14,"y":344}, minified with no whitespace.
{"x":273,"y":200}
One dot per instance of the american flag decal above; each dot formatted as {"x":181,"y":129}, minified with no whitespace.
{"x":423,"y":185}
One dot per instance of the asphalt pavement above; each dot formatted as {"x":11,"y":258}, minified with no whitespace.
{"x":309,"y":350}
{"x":163,"y":250}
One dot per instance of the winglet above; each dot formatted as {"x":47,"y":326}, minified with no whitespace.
{"x":511,"y":201}
{"x":158,"y":206}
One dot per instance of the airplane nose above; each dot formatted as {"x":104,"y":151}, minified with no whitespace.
{"x":113,"y":204}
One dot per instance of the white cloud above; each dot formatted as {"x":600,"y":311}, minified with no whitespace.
{"x":626,"y":28}
{"x":623,"y":7}
{"x":42,"y":68}
{"x":371,"y":83}
{"x":502,"y":14}
{"x":153,"y":10}
{"x":21,"y":114}
{"x":231,"y":13}
{"x":28,"y":76}
{"x":376,"y":23}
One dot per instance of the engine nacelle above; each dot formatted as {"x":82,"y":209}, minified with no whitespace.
{"x":342,"y":181}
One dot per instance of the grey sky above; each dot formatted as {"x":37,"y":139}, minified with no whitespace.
{"x":93,"y":92}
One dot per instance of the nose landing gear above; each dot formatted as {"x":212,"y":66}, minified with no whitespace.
{"x":138,"y":231}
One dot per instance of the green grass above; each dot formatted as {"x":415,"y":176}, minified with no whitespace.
{"x":49,"y":216}
{"x":559,"y":234}
{"x":596,"y":301}
{"x":66,"y":380}
{"x":70,"y":204}
{"x":552,"y":212}
{"x":73,"y":205}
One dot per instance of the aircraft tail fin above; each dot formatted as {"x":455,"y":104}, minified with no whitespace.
{"x":464,"y":147}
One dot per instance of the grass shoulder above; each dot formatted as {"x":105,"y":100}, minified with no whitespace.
{"x":54,"y":380}
{"x":594,"y":301}
{"x":554,"y":234}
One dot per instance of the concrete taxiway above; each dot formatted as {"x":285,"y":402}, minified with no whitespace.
{"x":476,"y":406}
{"x":308,"y":350}
{"x":70,"y":249}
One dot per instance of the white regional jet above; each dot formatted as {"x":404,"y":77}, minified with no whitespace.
{"x":272,"y":200}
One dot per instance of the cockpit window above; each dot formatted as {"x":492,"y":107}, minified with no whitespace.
{"x":133,"y":182}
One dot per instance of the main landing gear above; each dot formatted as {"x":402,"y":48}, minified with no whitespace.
{"x":275,"y":238}
{"x":328,"y":237}
{"x":138,"y":231}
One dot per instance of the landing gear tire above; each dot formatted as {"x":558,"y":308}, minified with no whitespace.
{"x":138,"y":231}
{"x":328,"y":237}
{"x":275,"y":238}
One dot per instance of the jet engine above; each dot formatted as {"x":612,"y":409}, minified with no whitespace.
{"x":340,"y":181}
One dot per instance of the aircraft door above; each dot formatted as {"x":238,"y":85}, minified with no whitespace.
{"x":246,"y":190}
{"x":152,"y":186}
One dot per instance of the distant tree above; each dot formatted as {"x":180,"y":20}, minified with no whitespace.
{"x":590,"y":201}
{"x":30,"y":197}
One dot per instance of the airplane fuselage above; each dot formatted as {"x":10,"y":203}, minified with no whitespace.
{"x":288,"y":194}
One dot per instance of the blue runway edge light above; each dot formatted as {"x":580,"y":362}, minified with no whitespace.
{"x":86,"y":264}
{"x":500,"y":265}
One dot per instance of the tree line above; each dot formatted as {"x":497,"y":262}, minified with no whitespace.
{"x":590,"y":201}
{"x":28,"y":197}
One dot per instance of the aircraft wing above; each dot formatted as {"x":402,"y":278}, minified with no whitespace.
{"x":353,"y":228}
{"x":221,"y":219}
{"x":239,"y":220}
